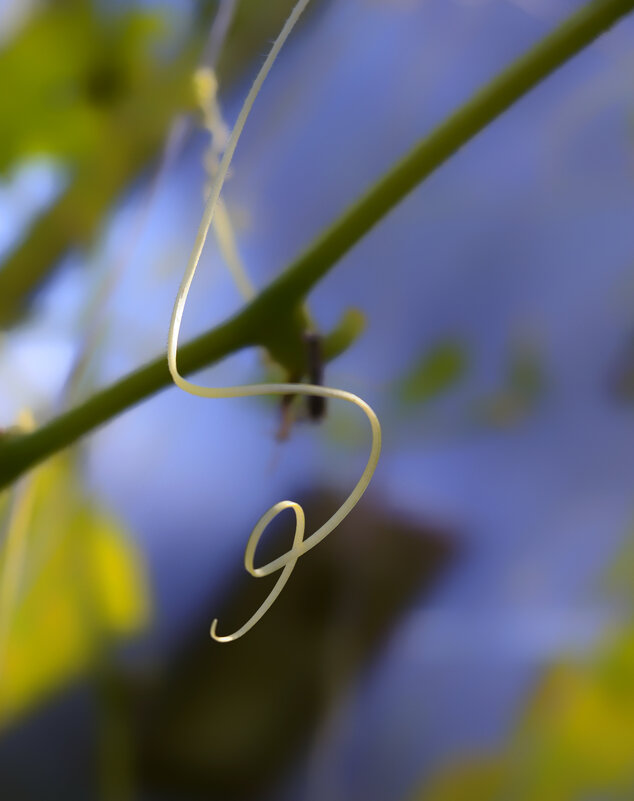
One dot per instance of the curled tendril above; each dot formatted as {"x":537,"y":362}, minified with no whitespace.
{"x":286,"y":563}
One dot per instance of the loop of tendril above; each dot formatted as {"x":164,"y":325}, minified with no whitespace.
{"x":286,"y":563}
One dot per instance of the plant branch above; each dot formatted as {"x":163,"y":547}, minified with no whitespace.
{"x":21,"y":452}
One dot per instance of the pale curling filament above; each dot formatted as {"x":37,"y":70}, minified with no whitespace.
{"x":287,"y":561}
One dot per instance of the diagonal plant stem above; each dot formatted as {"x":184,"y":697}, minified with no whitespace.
{"x":21,"y":452}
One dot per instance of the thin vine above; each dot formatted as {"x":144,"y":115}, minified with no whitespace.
{"x":286,"y":563}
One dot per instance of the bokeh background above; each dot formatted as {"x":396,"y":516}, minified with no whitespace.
{"x":468,"y":632}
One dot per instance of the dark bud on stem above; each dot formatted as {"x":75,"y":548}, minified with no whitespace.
{"x":315,"y":404}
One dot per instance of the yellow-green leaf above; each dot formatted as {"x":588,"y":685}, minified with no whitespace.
{"x":81,"y":584}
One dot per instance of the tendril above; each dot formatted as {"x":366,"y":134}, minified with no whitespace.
{"x":286,"y":562}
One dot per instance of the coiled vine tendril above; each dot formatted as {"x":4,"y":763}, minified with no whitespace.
{"x":287,"y":561}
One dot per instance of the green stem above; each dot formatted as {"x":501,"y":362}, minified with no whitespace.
{"x":18,"y":454}
{"x":572,"y":36}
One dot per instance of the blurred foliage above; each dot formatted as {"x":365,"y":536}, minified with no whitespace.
{"x":439,"y":370}
{"x":68,"y":69}
{"x":575,"y":738}
{"x":524,"y":383}
{"x":475,"y":777}
{"x":575,"y":742}
{"x":87,"y":88}
{"x":230,"y":721}
{"x":81,"y":584}
{"x":349,"y":328}
{"x":96,"y":87}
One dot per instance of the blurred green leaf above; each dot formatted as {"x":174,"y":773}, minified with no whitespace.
{"x":525,"y":374}
{"x":83,"y":583}
{"x":523,"y":385}
{"x":344,"y":334}
{"x":477,"y":778}
{"x":618,"y":582}
{"x":88,"y":89}
{"x":574,"y":740}
{"x":439,"y":370}
{"x":67,"y":69}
